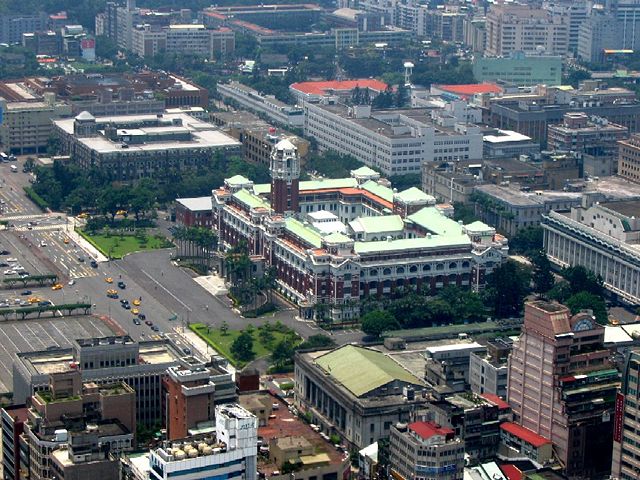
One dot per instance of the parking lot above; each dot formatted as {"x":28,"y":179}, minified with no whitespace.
{"x":33,"y":335}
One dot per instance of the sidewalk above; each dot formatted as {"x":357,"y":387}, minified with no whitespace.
{"x":212,"y":284}
{"x":81,"y":242}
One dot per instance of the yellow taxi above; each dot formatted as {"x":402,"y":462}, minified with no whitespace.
{"x":121,"y":212}
{"x":34,"y":299}
{"x":57,"y":286}
{"x":137,"y":302}
{"x":83,"y":215}
{"x":108,"y":280}
{"x":135,"y":311}
{"x":66,"y":241}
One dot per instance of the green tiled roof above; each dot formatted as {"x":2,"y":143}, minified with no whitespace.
{"x":380,"y":190}
{"x":414,"y":194}
{"x":262,"y":188}
{"x":385,"y":223}
{"x":433,"y":220}
{"x":237,"y":180}
{"x":337,"y":237}
{"x":477,"y":226}
{"x":361,"y":370}
{"x":411,"y":243}
{"x":364,"y":171}
{"x":304,"y":232}
{"x":250,"y":200}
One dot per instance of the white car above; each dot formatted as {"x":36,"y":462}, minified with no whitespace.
{"x":12,"y":260}
{"x":9,"y":272}
{"x":18,"y":268}
{"x":43,"y":244}
{"x":71,"y":282}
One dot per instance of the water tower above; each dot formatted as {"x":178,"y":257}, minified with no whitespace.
{"x":408,"y":70}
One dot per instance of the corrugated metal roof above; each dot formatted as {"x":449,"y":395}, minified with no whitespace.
{"x":361,"y":370}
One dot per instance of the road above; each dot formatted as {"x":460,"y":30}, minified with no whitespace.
{"x":12,"y":193}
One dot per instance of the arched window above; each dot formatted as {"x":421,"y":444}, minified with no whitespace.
{"x":386,"y":271}
{"x":440,"y":266}
{"x":465,"y":264}
{"x":400,"y":270}
{"x":413,"y":269}
{"x":373,"y":273}
{"x":426,"y":268}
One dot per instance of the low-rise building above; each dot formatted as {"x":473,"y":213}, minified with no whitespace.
{"x":194,"y":212}
{"x":314,"y":92}
{"x":579,"y":133}
{"x":355,"y":392}
{"x":510,"y":209}
{"x":186,"y":39}
{"x":26,"y":126}
{"x":447,"y":366}
{"x":258,"y":143}
{"x":629,"y":162}
{"x":518,"y":441}
{"x":425,"y":450}
{"x":274,"y":109}
{"x":508,"y":144}
{"x":139,"y":146}
{"x":451,"y":182}
{"x":603,"y":237}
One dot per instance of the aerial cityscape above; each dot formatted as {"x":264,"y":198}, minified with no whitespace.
{"x":338,"y":240}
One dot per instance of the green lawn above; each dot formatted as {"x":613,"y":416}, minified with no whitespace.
{"x":222,"y":343}
{"x":115,"y":246}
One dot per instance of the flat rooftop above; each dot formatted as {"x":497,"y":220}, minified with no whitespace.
{"x":203,"y":134}
{"x":630,"y":208}
{"x":525,"y":199}
{"x":614,"y":187}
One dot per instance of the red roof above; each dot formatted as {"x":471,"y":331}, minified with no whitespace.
{"x":524,"y":434}
{"x":471,"y":89}
{"x":511,"y":472}
{"x":319,"y":88}
{"x":496,"y":400}
{"x":427,"y":430}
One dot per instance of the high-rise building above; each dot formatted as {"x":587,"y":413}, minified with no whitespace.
{"x":12,"y":26}
{"x":562,"y":386}
{"x":626,"y":449}
{"x":598,"y":32}
{"x":574,"y":12}
{"x":13,"y":419}
{"x":231,"y":453}
{"x":512,"y":28}
{"x":425,"y":450}
{"x":285,"y":177}
{"x":191,"y":397}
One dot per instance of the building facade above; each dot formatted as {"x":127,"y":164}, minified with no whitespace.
{"x":629,"y":158}
{"x":519,"y":69}
{"x":626,"y":463}
{"x":602,"y":237}
{"x":425,"y":450}
{"x":13,"y":419}
{"x":189,"y":39}
{"x":583,"y":134}
{"x":523,"y":28}
{"x":557,"y":366}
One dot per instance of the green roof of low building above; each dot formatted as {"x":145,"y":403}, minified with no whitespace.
{"x":250,"y":200}
{"x":435,"y":221}
{"x":436,"y":241}
{"x":384,"y":223}
{"x":478,"y":226}
{"x":380,"y":190}
{"x":414,"y":194}
{"x":364,"y":171}
{"x":304,"y":232}
{"x":361,"y":369}
{"x":337,"y":237}
{"x":237,"y":180}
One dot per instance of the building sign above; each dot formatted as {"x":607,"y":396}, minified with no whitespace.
{"x":619,"y":417}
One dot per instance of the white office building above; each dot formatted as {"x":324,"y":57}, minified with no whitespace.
{"x":231,"y":453}
{"x":395,"y":142}
{"x":604,"y":238}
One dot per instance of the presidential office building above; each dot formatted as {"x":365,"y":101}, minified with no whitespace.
{"x":602,"y":237}
{"x":335,"y":241}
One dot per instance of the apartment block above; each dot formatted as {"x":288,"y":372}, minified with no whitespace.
{"x":488,"y":372}
{"x":13,"y":25}
{"x":583,"y":134}
{"x":425,"y":450}
{"x":629,"y":158}
{"x":562,"y":386}
{"x":447,"y":366}
{"x":187,"y":39}
{"x":523,"y":28}
{"x":626,"y":451}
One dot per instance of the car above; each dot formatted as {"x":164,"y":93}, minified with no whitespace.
{"x":44,"y":303}
{"x":4,"y":304}
{"x":136,"y":321}
{"x":108,"y":280}
{"x":94,"y":264}
{"x":4,"y":264}
{"x":81,"y":259}
{"x":12,"y":260}
{"x":34,"y":300}
{"x":122,"y":285}
{"x":9,"y":272}
{"x":66,"y":241}
{"x":43,"y":244}
{"x":124,"y":301}
{"x":142,"y":316}
{"x":135,"y":311}
{"x":83,"y":215}
{"x":187,"y":350}
{"x":5,"y":252}
{"x":136,"y":302}
{"x":24,"y":273}
{"x":155,"y":328}
{"x":148,"y":322}
{"x":26,"y":292}
{"x":57,"y":286}
{"x":71,"y":282}
{"x":126,"y":306}
{"x":19,"y":268}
